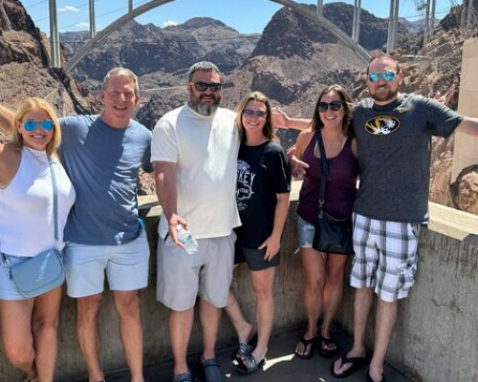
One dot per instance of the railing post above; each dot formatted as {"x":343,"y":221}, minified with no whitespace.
{"x":54,"y":36}
{"x":130,"y":5}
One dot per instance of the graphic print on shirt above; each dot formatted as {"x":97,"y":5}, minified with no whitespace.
{"x":245,"y":181}
{"x":382,"y":125}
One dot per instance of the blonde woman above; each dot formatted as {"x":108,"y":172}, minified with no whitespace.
{"x":29,"y":325}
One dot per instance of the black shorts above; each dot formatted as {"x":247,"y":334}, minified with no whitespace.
{"x":255,"y":258}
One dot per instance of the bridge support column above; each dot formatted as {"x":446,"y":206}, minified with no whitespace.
{"x":356,"y":21}
{"x":54,"y":36}
{"x":392,"y":25}
{"x":92,"y":19}
{"x":320,"y":7}
{"x":130,"y":5}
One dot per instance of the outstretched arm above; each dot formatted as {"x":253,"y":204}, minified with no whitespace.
{"x":6,"y":119}
{"x":469,"y":126}
{"x":281,"y":119}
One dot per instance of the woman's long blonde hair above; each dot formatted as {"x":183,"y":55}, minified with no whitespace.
{"x":35,"y":103}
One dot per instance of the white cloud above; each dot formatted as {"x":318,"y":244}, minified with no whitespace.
{"x":68,"y":8}
{"x":169,"y":23}
{"x":83,"y":24}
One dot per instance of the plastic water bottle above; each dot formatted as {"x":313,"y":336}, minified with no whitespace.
{"x":186,"y":238}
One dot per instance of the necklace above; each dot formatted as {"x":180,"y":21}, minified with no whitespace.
{"x":42,"y":159}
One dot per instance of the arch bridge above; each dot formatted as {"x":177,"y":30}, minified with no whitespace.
{"x":316,"y":17}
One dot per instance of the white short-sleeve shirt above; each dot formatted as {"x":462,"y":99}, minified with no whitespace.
{"x":205,"y":149}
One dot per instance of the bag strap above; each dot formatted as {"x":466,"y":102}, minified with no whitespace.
{"x":55,"y":200}
{"x":325,"y":171}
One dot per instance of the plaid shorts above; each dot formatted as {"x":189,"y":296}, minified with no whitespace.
{"x":386,"y":256}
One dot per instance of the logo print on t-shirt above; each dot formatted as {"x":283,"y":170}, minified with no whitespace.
{"x":245,"y":180}
{"x":382,"y":125}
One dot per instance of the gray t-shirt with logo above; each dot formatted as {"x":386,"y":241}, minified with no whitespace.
{"x":394,"y":143}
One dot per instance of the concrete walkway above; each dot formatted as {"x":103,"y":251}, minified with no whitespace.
{"x":282,"y":366}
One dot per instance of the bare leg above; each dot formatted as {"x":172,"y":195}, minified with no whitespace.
{"x":314,"y":280}
{"x":262,"y":282}
{"x":88,"y":334}
{"x":385,"y":321}
{"x":209,"y":316}
{"x":243,"y":328}
{"x":17,"y":334}
{"x":333,"y":292}
{"x":362,"y":304}
{"x":46,"y":312}
{"x":180,"y":326}
{"x":131,"y":331}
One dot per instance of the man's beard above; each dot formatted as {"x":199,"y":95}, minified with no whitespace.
{"x":383,"y":96}
{"x":205,"y":109}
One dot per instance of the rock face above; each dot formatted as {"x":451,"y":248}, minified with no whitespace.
{"x":24,"y":65}
{"x":166,"y":50}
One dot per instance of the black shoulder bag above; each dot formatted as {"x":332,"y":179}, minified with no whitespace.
{"x":331,"y":235}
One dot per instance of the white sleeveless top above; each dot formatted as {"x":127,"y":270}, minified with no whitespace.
{"x":26,"y":206}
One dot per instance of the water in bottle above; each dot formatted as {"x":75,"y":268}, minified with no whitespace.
{"x":186,"y":238}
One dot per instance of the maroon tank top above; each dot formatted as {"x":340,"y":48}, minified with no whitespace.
{"x":341,"y":185}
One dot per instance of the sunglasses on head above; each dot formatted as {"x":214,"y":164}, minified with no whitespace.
{"x":387,"y":76}
{"x":30,"y":125}
{"x":334,"y":106}
{"x":202,"y":86}
{"x":257,"y":113}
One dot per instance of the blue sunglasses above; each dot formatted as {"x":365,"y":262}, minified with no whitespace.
{"x":387,"y":76}
{"x":30,"y":125}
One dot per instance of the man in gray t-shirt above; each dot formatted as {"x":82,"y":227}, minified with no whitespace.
{"x":393,"y":134}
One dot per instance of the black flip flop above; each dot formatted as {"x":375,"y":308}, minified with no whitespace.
{"x":369,"y":378}
{"x":356,"y":362}
{"x":307,"y":343}
{"x":327,"y":353}
{"x":247,"y":364}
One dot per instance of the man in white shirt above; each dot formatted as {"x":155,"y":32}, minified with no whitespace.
{"x":194,"y":151}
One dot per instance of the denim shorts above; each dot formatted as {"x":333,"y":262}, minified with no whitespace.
{"x":306,"y":233}
{"x":8,"y":289}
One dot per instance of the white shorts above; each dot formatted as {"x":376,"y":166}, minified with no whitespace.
{"x":126,"y":265}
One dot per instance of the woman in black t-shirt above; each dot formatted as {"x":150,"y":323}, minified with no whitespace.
{"x":263,"y":186}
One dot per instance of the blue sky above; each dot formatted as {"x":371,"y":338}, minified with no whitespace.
{"x":246,"y":16}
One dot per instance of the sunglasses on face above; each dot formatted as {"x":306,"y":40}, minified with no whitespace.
{"x":202,"y":86}
{"x":334,"y":106}
{"x":30,"y":125}
{"x":257,"y":113}
{"x":387,"y":76}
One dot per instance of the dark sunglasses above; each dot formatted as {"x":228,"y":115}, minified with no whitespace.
{"x":202,"y":86}
{"x":387,"y":76}
{"x":30,"y":125}
{"x":257,"y":113}
{"x":334,"y":106}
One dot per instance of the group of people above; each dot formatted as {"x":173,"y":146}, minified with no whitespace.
{"x":222,"y":176}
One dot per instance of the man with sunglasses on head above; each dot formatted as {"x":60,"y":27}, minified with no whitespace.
{"x":101,"y":155}
{"x":194,"y":151}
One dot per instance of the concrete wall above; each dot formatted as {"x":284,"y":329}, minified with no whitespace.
{"x":466,"y":147}
{"x":435,"y":340}
{"x":436,"y":336}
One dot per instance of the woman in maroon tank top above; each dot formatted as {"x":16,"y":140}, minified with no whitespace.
{"x":324,"y":272}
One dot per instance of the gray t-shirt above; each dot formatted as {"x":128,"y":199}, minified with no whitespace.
{"x":394,"y":143}
{"x":102,"y":163}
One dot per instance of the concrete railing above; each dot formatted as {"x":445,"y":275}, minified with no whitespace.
{"x":437,"y":330}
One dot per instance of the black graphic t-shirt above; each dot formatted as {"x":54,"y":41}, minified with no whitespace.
{"x":394,"y":143}
{"x":262,"y":172}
